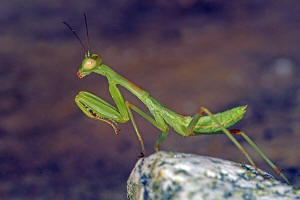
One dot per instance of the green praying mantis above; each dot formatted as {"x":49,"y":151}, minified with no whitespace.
{"x":162,"y":118}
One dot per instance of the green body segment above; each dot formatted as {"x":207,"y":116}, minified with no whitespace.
{"x":227,"y":119}
{"x":205,"y":124}
{"x":178,"y":122}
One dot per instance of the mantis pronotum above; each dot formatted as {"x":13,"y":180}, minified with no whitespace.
{"x":163,"y":118}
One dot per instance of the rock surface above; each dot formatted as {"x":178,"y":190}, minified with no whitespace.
{"x":179,"y":176}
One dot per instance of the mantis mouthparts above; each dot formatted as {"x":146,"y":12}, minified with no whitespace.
{"x":79,"y":75}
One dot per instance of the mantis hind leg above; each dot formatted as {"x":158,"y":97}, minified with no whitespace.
{"x":128,"y":106}
{"x":259,"y":151}
{"x":194,"y":121}
{"x":230,"y":134}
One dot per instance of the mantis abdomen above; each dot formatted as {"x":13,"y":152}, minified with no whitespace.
{"x":205,"y":125}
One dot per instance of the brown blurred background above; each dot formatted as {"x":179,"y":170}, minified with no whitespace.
{"x":186,"y":53}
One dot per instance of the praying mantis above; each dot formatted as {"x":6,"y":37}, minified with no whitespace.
{"x":162,"y":118}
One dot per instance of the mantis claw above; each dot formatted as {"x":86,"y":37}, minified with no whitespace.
{"x":142,"y":155}
{"x":113,"y":124}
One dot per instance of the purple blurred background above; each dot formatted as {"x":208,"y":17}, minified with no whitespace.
{"x":186,"y":53}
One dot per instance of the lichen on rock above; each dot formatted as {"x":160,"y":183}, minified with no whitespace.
{"x":179,"y":176}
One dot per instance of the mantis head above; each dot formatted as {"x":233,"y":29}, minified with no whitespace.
{"x":89,"y":63}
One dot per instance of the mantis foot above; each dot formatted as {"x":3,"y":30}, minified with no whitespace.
{"x":140,"y":156}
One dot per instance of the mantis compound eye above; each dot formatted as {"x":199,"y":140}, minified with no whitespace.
{"x":89,"y":64}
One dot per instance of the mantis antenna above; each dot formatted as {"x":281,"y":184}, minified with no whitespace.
{"x":87,"y":34}
{"x":87,"y":53}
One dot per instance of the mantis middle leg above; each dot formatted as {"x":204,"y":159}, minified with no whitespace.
{"x":158,"y":122}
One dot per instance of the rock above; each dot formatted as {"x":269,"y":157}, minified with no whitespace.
{"x":179,"y":176}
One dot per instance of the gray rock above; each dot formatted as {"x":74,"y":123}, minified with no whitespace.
{"x":179,"y":176}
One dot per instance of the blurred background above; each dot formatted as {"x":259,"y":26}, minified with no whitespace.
{"x":186,"y":53}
